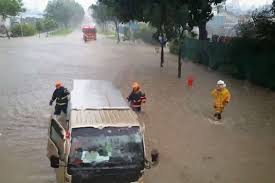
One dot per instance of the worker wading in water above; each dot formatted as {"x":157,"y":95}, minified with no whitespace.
{"x":136,"y":98}
{"x":61,"y":97}
{"x":222,"y":97}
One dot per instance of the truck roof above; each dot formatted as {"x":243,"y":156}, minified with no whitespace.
{"x":103,"y":118}
{"x":99,"y":104}
{"x":96,"y":94}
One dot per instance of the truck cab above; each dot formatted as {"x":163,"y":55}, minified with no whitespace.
{"x":89,"y":33}
{"x":103,"y":141}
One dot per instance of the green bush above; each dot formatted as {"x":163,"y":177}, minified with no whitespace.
{"x":61,"y":32}
{"x":126,"y":33}
{"x":49,"y":24}
{"x":247,"y":59}
{"x":174,"y":47}
{"x":27,"y":29}
{"x":145,"y":33}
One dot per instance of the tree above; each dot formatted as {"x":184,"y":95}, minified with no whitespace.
{"x":10,"y":8}
{"x":65,"y":12}
{"x":171,"y":18}
{"x":49,"y":24}
{"x":200,"y":13}
{"x":39,"y":27}
{"x":246,"y":30}
{"x":158,"y":13}
{"x":261,"y":26}
{"x":98,"y":12}
{"x":104,"y":13}
{"x":264,"y":24}
{"x":108,"y":11}
{"x":161,"y":19}
{"x":155,"y":12}
{"x":77,"y":13}
{"x":180,"y":27}
{"x":27,"y":29}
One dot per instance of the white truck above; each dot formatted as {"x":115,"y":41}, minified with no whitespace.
{"x":103,"y":141}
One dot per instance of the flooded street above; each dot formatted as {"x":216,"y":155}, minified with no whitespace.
{"x":178,"y":119}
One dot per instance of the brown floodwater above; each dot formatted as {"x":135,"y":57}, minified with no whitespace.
{"x":178,"y":120}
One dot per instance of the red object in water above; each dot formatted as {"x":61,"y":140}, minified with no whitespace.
{"x":190,"y":81}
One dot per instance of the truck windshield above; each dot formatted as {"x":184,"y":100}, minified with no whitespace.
{"x":89,"y":31}
{"x":106,"y":147}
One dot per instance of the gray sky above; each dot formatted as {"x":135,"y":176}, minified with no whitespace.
{"x":41,"y":4}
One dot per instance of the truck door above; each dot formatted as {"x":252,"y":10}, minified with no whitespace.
{"x":56,"y":149}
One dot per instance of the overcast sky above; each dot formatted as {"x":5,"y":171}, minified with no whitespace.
{"x":41,"y":4}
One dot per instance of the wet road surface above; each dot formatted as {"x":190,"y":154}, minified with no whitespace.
{"x":178,"y":119}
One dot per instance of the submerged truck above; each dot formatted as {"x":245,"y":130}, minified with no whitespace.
{"x":103,"y":142}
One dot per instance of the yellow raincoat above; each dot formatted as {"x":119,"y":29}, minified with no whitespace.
{"x":221,"y":98}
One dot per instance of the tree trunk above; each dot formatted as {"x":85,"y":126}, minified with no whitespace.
{"x":202,"y":31}
{"x":66,"y":24}
{"x":162,"y":56}
{"x":105,"y":28}
{"x":179,"y":61}
{"x":117,"y":31}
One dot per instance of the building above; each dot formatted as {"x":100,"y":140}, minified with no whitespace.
{"x":223,"y":23}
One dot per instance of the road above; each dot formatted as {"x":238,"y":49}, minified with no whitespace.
{"x":192,"y":148}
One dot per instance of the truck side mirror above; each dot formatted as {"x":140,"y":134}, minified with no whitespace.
{"x":154,"y":157}
{"x":54,"y":162}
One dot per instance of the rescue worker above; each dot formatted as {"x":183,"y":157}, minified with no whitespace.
{"x":136,"y":98}
{"x":222,"y":97}
{"x":61,"y":95}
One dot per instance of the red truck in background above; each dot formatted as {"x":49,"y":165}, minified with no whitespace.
{"x":89,"y":33}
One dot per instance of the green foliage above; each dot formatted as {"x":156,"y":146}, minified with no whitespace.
{"x":174,"y":47}
{"x":125,"y":10}
{"x":49,"y":24}
{"x":65,"y":12}
{"x":100,"y":13}
{"x":246,"y":30}
{"x":106,"y":33}
{"x":261,"y":26}
{"x":39,"y":26}
{"x":10,"y":8}
{"x":247,"y":59}
{"x":61,"y":32}
{"x":127,"y":33}
{"x":27,"y":29}
{"x":156,"y":13}
{"x":170,"y":18}
{"x":200,"y":12}
{"x":145,"y":33}
{"x":264,"y":24}
{"x":104,"y":13}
